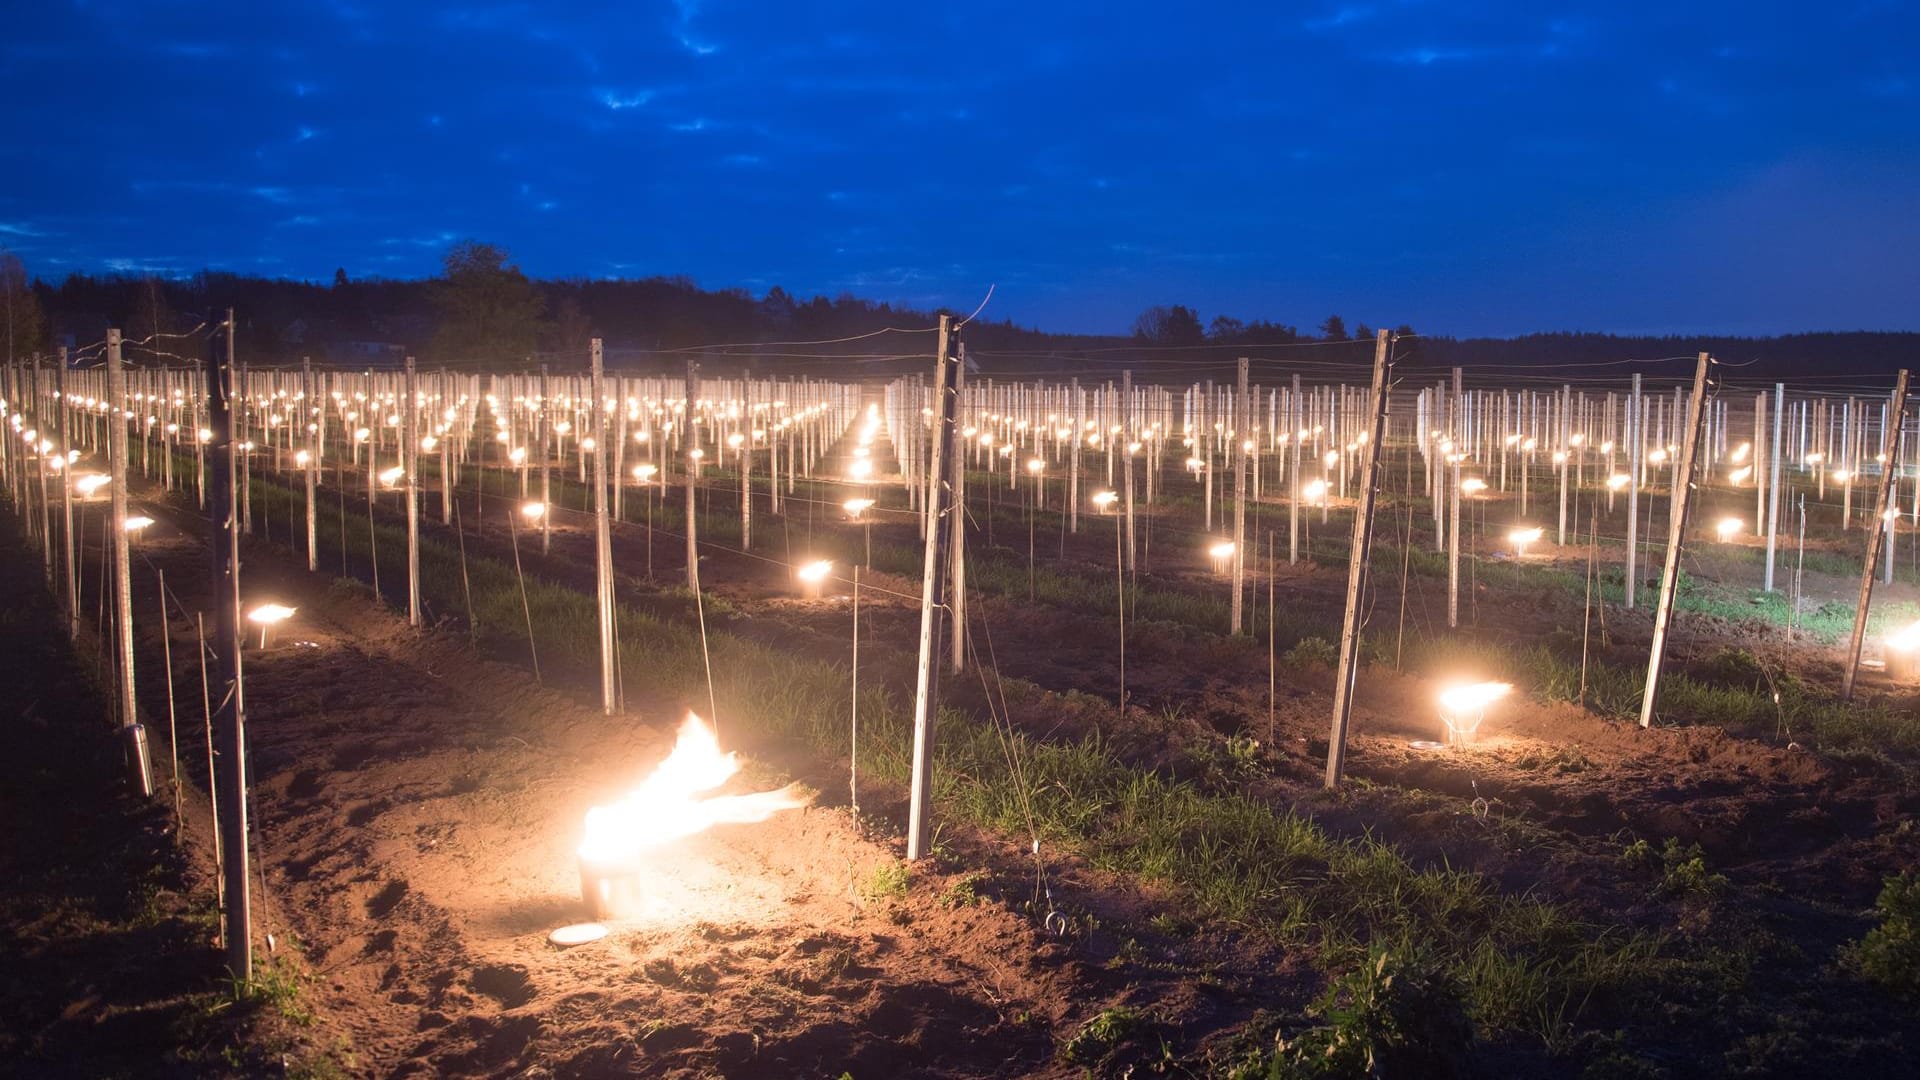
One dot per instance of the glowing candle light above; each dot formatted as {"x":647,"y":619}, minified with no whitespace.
{"x":266,"y":616}
{"x":813,"y":576}
{"x":1221,"y":553}
{"x":1902,"y":649}
{"x":1464,"y":707}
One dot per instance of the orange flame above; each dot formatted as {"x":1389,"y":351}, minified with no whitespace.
{"x":668,"y":804}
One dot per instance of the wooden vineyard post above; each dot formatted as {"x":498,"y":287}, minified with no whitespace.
{"x":39,"y":493}
{"x":1676,"y":534}
{"x":1125,"y":447}
{"x":1293,"y":475}
{"x":130,"y":727}
{"x":66,"y":505}
{"x":542,"y":418}
{"x":688,"y":444}
{"x":1452,"y":496}
{"x":957,"y":533}
{"x":1773,"y":478}
{"x":1073,"y":457}
{"x":1636,"y":453}
{"x":926,"y":699}
{"x":447,"y":479}
{"x":1241,"y":424}
{"x":1565,"y":455}
{"x":229,"y":718}
{"x":1357,"y":563}
{"x":1876,"y":532}
{"x":603,"y":537}
{"x":746,"y":467}
{"x":313,"y":461}
{"x":410,"y":461}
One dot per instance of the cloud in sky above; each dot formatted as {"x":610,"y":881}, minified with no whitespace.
{"x":1490,"y":166}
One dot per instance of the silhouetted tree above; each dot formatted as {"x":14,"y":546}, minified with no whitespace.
{"x":149,"y":317}
{"x":1176,"y":325}
{"x":572,"y":332}
{"x":778,"y":309}
{"x":1334,"y":329}
{"x":489,"y":311}
{"x":340,"y":278}
{"x":1226,"y":330}
{"x":1361,"y":332}
{"x":20,"y":316}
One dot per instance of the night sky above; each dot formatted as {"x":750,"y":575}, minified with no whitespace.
{"x":1467,"y":168}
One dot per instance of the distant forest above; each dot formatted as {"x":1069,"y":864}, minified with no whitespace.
{"x":483,"y":312}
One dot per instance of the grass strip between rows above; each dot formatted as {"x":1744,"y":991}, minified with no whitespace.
{"x":1525,"y":966}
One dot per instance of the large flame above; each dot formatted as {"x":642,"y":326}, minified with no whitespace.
{"x":669,"y":805}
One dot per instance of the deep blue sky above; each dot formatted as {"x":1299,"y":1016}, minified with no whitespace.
{"x":1464,"y":167}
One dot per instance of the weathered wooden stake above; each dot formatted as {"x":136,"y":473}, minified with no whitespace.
{"x":1362,"y":552}
{"x":1453,"y":496}
{"x":603,"y":537}
{"x":1678,"y":506}
{"x":1876,"y":532}
{"x":130,"y":727}
{"x":926,"y":699}
{"x":410,"y":462}
{"x":229,"y":716}
{"x":1242,"y":424}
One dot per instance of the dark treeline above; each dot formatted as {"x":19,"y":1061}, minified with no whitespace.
{"x":1749,"y":359}
{"x":483,"y":312}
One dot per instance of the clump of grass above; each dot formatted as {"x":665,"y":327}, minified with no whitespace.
{"x":1889,"y":954}
{"x":1311,"y":652}
{"x":1681,"y":868}
{"x":1394,"y":1015}
{"x":888,"y":881}
{"x":1099,"y":1038}
{"x":964,"y":891}
{"x":277,"y":984}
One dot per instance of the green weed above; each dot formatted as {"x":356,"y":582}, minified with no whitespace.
{"x":1889,"y":954}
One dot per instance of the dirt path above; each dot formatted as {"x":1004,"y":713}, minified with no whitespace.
{"x":107,"y":965}
{"x":417,"y":807}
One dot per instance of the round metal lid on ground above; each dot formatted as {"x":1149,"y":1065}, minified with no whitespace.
{"x":577,"y":934}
